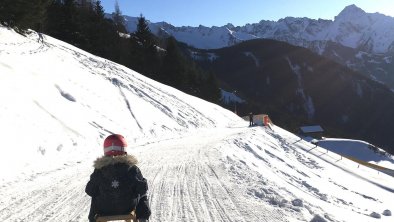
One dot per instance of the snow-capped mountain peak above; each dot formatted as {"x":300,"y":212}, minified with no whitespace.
{"x":353,"y":28}
{"x":349,"y":12}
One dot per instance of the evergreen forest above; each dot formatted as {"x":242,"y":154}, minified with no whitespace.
{"x":84,"y":24}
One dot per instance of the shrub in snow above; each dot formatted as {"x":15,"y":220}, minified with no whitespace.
{"x":297,"y":203}
{"x":387,"y":213}
{"x":297,"y":209}
{"x":41,"y":150}
{"x":318,"y":218}
{"x":274,"y":201}
{"x":324,"y":197}
{"x":257,"y":194}
{"x":278,"y":201}
{"x":268,"y":191}
{"x":284,"y":202}
{"x":375,"y":215}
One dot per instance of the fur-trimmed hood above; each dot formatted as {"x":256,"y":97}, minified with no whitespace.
{"x":112,"y":160}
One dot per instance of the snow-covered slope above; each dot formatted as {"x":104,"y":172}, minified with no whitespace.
{"x":360,"y":150}
{"x":202,"y":162}
{"x":69,"y":97}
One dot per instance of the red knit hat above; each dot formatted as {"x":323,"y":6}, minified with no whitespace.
{"x":114,"y":145}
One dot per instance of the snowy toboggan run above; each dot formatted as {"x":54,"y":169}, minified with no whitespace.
{"x":202,"y":162}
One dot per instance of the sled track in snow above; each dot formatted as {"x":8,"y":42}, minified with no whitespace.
{"x":188,"y":175}
{"x":190,"y":187}
{"x":49,"y":196}
{"x":187,"y":182}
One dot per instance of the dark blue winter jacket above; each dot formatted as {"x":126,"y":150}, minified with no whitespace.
{"x":116,"y":185}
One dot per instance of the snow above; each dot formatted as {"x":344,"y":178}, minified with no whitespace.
{"x":202,"y":162}
{"x":388,"y":59}
{"x":205,"y":39}
{"x":353,"y":28}
{"x":360,"y":55}
{"x":364,"y":151}
{"x":308,"y":102}
{"x":255,"y":59}
{"x":230,"y":97}
{"x":359,"y":90}
{"x":203,"y":56}
{"x":373,"y":61}
{"x":212,"y":56}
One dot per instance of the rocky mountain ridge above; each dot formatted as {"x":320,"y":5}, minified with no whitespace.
{"x":361,"y":41}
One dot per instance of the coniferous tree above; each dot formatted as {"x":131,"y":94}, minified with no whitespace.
{"x":173,"y":70}
{"x":101,"y":34}
{"x":182,"y":73}
{"x":210,"y":89}
{"x":62,"y":22}
{"x":143,"y":34}
{"x":118,"y":19}
{"x":86,"y":27}
{"x":88,"y":30}
{"x":73,"y":24}
{"x":23,"y":14}
{"x":54,"y":19}
{"x":145,"y":58}
{"x":99,"y":10}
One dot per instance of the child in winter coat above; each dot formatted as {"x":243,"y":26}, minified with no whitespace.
{"x":117,"y":185}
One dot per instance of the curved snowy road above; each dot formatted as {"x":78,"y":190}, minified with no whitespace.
{"x":221,"y":174}
{"x":185,"y":178}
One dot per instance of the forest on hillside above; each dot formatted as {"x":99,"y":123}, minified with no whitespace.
{"x":83,"y":24}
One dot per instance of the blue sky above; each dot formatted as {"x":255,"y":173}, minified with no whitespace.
{"x":239,"y":12}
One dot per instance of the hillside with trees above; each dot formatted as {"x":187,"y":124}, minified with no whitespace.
{"x":84,"y":25}
{"x":297,"y":87}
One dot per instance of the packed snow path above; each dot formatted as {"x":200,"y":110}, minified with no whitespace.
{"x":185,"y":179}
{"x":213,"y":175}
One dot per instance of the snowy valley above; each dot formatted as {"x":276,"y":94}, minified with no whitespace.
{"x":202,"y":162}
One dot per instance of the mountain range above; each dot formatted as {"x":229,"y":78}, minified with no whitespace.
{"x":361,"y":41}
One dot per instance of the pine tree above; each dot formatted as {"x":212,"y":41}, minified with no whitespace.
{"x":87,"y":28}
{"x":118,"y":19}
{"x":210,"y":89}
{"x":54,"y":19}
{"x":143,"y":33}
{"x":181,"y":72}
{"x":99,"y":10}
{"x":145,"y":58}
{"x":173,"y":70}
{"x":23,"y":14}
